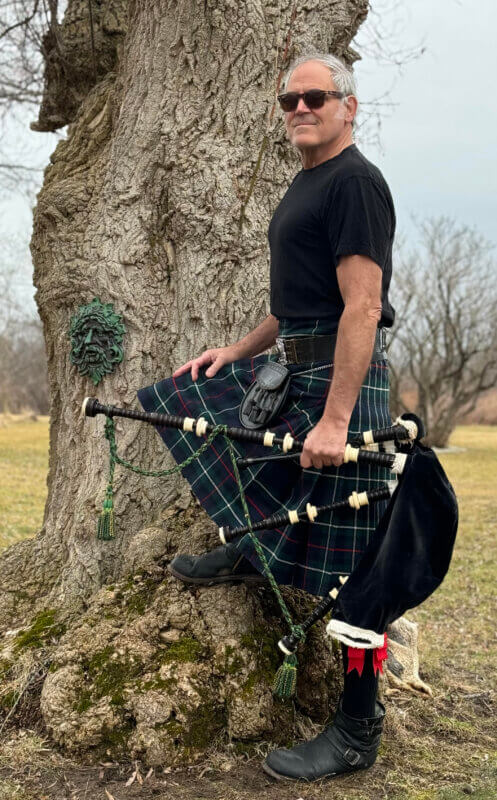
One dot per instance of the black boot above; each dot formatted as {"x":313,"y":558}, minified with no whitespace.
{"x":347,"y":745}
{"x":220,"y":565}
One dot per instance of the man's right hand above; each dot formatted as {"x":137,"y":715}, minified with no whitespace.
{"x":217,"y":357}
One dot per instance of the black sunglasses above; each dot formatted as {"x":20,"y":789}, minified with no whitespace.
{"x":313,"y":98}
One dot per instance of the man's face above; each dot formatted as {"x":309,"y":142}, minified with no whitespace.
{"x":308,"y":128}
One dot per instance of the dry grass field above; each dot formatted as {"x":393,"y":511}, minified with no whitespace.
{"x":440,"y":748}
{"x":23,"y":469}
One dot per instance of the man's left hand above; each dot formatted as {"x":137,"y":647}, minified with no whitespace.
{"x":324,"y":445}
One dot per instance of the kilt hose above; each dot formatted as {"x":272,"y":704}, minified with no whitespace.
{"x":309,"y":556}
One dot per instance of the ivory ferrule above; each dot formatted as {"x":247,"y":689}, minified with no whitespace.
{"x":287,"y":442}
{"x":350,"y":454}
{"x":268,"y":439}
{"x":358,"y":499}
{"x":284,"y":649}
{"x":367,"y":437}
{"x":222,"y":535}
{"x":399,"y":463}
{"x":201,"y":426}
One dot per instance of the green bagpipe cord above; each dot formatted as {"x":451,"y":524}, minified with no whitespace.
{"x":285,"y":681}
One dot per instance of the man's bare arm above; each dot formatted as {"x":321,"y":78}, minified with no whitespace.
{"x":258,"y":340}
{"x":359,"y":279}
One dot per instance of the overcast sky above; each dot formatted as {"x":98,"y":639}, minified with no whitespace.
{"x":438,"y":142}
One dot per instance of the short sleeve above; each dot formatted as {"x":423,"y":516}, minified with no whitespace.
{"x":359,"y":220}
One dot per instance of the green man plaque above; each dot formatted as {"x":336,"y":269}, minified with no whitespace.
{"x":96,"y":335}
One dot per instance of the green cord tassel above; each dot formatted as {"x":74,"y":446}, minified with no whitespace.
{"x":105,"y":527}
{"x":285,"y":680}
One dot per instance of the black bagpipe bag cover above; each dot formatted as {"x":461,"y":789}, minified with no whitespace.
{"x":409,"y":554}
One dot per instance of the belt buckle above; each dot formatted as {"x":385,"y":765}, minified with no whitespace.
{"x":280,"y":344}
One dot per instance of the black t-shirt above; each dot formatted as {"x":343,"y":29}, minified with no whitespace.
{"x":340,"y":207}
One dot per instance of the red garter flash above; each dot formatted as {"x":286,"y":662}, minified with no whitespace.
{"x":355,"y":656}
{"x":379,"y":656}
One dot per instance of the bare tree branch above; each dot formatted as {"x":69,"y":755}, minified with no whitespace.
{"x":442,"y":343}
{"x":20,"y":166}
{"x":377,"y":39}
{"x":22,"y":22}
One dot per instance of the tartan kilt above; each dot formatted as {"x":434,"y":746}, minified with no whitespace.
{"x":309,"y":556}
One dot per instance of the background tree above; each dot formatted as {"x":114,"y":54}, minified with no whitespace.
{"x":23,"y":24}
{"x":23,"y":371}
{"x":49,"y":60}
{"x":444,"y":342}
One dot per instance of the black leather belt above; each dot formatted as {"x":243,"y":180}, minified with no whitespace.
{"x":303,"y":349}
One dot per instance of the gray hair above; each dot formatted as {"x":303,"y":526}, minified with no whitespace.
{"x":342,"y":74}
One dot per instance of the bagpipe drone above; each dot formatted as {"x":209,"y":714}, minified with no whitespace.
{"x":406,"y":559}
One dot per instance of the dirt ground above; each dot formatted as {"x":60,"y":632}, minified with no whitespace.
{"x":439,"y":761}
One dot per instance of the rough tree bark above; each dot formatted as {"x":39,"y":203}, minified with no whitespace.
{"x":141,"y":206}
{"x":147,"y":205}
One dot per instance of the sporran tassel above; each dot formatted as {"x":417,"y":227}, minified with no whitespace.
{"x":285,"y":680}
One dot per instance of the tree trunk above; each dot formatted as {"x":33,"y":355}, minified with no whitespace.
{"x":157,"y":203}
{"x":141,"y":207}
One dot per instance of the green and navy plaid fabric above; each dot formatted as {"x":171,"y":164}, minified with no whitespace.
{"x":309,"y":556}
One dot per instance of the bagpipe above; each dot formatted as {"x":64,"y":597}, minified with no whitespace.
{"x":407,"y":557}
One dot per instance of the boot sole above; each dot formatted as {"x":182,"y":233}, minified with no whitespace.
{"x":221,"y":579}
{"x":280,"y":777}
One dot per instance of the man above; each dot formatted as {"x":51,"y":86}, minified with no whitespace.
{"x":331,"y":246}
